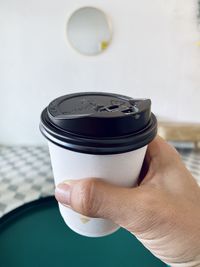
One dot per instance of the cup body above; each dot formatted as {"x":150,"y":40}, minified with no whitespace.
{"x":101,"y":135}
{"x":120,"y":169}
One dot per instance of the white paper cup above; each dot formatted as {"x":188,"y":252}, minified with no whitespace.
{"x":120,"y":169}
{"x":97,"y":135}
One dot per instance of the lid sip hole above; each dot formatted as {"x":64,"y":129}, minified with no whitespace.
{"x":109,"y":108}
{"x":113,"y":107}
{"x":128,"y":111}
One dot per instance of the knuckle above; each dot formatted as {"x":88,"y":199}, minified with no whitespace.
{"x":86,"y":196}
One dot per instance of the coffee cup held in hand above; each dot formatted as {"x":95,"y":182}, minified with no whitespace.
{"x":98,"y":135}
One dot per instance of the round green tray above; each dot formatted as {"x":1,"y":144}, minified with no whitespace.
{"x":34,"y":235}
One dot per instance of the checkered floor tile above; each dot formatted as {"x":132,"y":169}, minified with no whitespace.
{"x":26,"y":175}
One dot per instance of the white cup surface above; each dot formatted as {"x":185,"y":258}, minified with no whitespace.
{"x":120,"y":169}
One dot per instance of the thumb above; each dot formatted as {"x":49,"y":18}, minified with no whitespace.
{"x":96,"y":198}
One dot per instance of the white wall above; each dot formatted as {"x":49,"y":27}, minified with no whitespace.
{"x":154,"y":54}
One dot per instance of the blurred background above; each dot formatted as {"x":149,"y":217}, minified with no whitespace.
{"x":147,"y":49}
{"x":154,"y":53}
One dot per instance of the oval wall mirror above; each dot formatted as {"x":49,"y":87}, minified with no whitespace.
{"x":89,"y":31}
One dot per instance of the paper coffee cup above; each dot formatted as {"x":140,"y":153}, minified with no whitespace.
{"x":97,"y":135}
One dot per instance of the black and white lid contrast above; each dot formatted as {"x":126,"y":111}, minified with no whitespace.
{"x":99,"y":123}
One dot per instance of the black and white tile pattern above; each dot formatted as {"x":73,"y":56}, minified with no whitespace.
{"x":26,"y":175}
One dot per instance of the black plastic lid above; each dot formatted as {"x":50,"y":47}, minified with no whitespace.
{"x":99,"y":123}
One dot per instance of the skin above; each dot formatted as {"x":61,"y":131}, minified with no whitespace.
{"x":163,"y":211}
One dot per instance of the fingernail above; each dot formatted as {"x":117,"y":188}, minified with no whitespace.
{"x":62,"y":193}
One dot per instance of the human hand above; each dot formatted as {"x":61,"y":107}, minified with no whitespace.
{"x":163,"y":211}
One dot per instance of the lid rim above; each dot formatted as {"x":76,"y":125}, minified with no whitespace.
{"x":106,"y":146}
{"x":54,"y":129}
